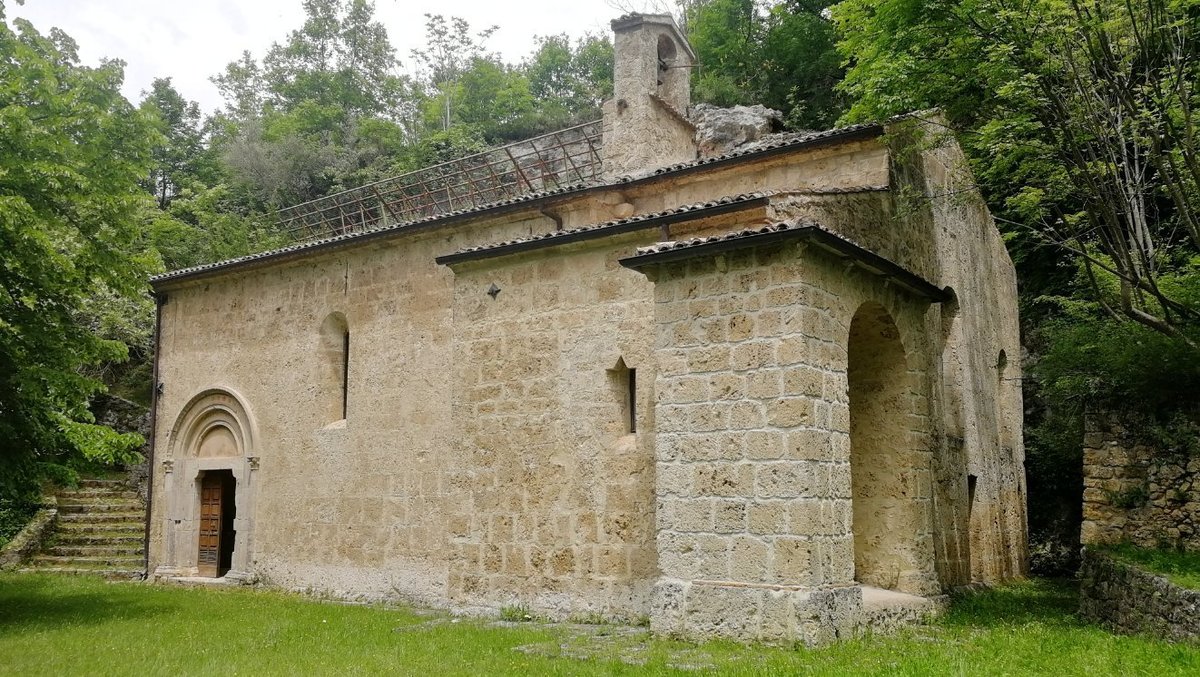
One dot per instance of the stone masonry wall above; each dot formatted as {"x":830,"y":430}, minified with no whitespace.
{"x":1132,"y":492}
{"x":359,"y":507}
{"x":1129,"y":600}
{"x":753,"y":452}
{"x":555,"y":507}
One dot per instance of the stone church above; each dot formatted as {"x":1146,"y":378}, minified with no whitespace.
{"x":767,"y":391}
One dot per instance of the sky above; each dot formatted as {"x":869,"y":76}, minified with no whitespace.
{"x":192,"y":40}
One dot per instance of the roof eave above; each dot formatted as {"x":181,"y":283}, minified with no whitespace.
{"x":833,"y":137}
{"x":830,"y":242}
{"x":710,"y":210}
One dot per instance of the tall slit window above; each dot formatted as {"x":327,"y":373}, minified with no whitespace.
{"x":333,"y":379}
{"x":624,"y":387}
{"x":631,"y":399}
{"x":345,"y":370}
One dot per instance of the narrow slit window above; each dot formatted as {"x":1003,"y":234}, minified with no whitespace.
{"x":971,"y":481}
{"x":333,"y":373}
{"x":345,"y":371}
{"x":631,"y":406}
{"x":623,"y":382}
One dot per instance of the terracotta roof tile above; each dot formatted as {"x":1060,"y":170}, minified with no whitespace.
{"x":374,"y":232}
{"x":383,"y":231}
{"x":599,"y":228}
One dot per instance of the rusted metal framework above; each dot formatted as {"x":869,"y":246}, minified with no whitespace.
{"x":568,"y":156}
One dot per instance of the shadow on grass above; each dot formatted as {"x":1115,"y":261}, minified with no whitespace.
{"x":29,"y":604}
{"x":1051,"y":602}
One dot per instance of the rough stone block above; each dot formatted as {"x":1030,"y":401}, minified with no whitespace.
{"x":768,"y":517}
{"x":729,"y":516}
{"x":764,"y":445}
{"x":790,"y":412}
{"x":791,"y":561}
{"x":748,"y":560}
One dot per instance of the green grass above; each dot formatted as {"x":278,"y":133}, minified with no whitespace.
{"x":75,"y":626}
{"x":1181,"y":567}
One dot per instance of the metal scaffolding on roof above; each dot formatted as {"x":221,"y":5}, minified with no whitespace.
{"x":565,"y":157}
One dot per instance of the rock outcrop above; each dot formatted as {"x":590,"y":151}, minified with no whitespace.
{"x":720,"y":130}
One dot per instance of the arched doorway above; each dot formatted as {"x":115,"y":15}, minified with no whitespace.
{"x":218,"y":509}
{"x":888,"y":524}
{"x":208,"y":484}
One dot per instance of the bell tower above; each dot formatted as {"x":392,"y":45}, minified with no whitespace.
{"x":645,"y":122}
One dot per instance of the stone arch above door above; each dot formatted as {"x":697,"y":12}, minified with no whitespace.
{"x":215,"y":423}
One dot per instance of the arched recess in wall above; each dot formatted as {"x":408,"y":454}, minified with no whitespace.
{"x":952,"y":372}
{"x":666,"y":56}
{"x":333,"y":387}
{"x":884,"y":469}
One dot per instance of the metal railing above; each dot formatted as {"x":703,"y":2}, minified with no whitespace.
{"x":565,"y":157}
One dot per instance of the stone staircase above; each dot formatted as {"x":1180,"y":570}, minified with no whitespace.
{"x":100,"y":531}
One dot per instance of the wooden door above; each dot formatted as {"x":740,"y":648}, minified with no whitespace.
{"x":210,"y":525}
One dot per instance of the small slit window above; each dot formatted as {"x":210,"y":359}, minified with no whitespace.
{"x":971,"y":482}
{"x":345,"y":370}
{"x":624,"y":387}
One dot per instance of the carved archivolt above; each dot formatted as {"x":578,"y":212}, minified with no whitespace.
{"x":214,"y":424}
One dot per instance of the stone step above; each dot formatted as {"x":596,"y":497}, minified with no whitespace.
{"x":112,"y":574}
{"x":107,"y":528}
{"x":80,"y":495}
{"x":81,"y":538}
{"x":90,"y":506}
{"x":95,"y":550}
{"x":887,"y":610}
{"x":130,"y":517}
{"x":101,"y":484}
{"x":93,"y":562}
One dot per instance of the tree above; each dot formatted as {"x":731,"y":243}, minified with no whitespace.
{"x":450,"y":49}
{"x":781,"y":54}
{"x":243,"y":87}
{"x":180,"y":153}
{"x":570,"y":81}
{"x":340,"y":59}
{"x":325,"y":110}
{"x":1082,"y":120}
{"x":1079,"y":120}
{"x":73,"y":153}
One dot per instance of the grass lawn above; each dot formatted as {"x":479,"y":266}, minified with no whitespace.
{"x":83,"y":626}
{"x":1181,"y":567}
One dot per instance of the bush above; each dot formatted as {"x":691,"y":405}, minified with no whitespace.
{"x":14,"y":515}
{"x":1085,"y":361}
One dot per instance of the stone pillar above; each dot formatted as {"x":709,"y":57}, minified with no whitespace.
{"x":645,"y":123}
{"x":752,"y":458}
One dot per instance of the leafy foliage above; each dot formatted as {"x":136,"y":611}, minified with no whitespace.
{"x":1081,"y":118}
{"x":1181,"y":567}
{"x":782,"y":55}
{"x":463,"y":84}
{"x":180,"y":153}
{"x":73,"y":153}
{"x":14,"y":515}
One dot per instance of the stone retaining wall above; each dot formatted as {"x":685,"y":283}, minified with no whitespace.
{"x":1128,"y":600}
{"x":29,"y":540}
{"x":1134,"y":493}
